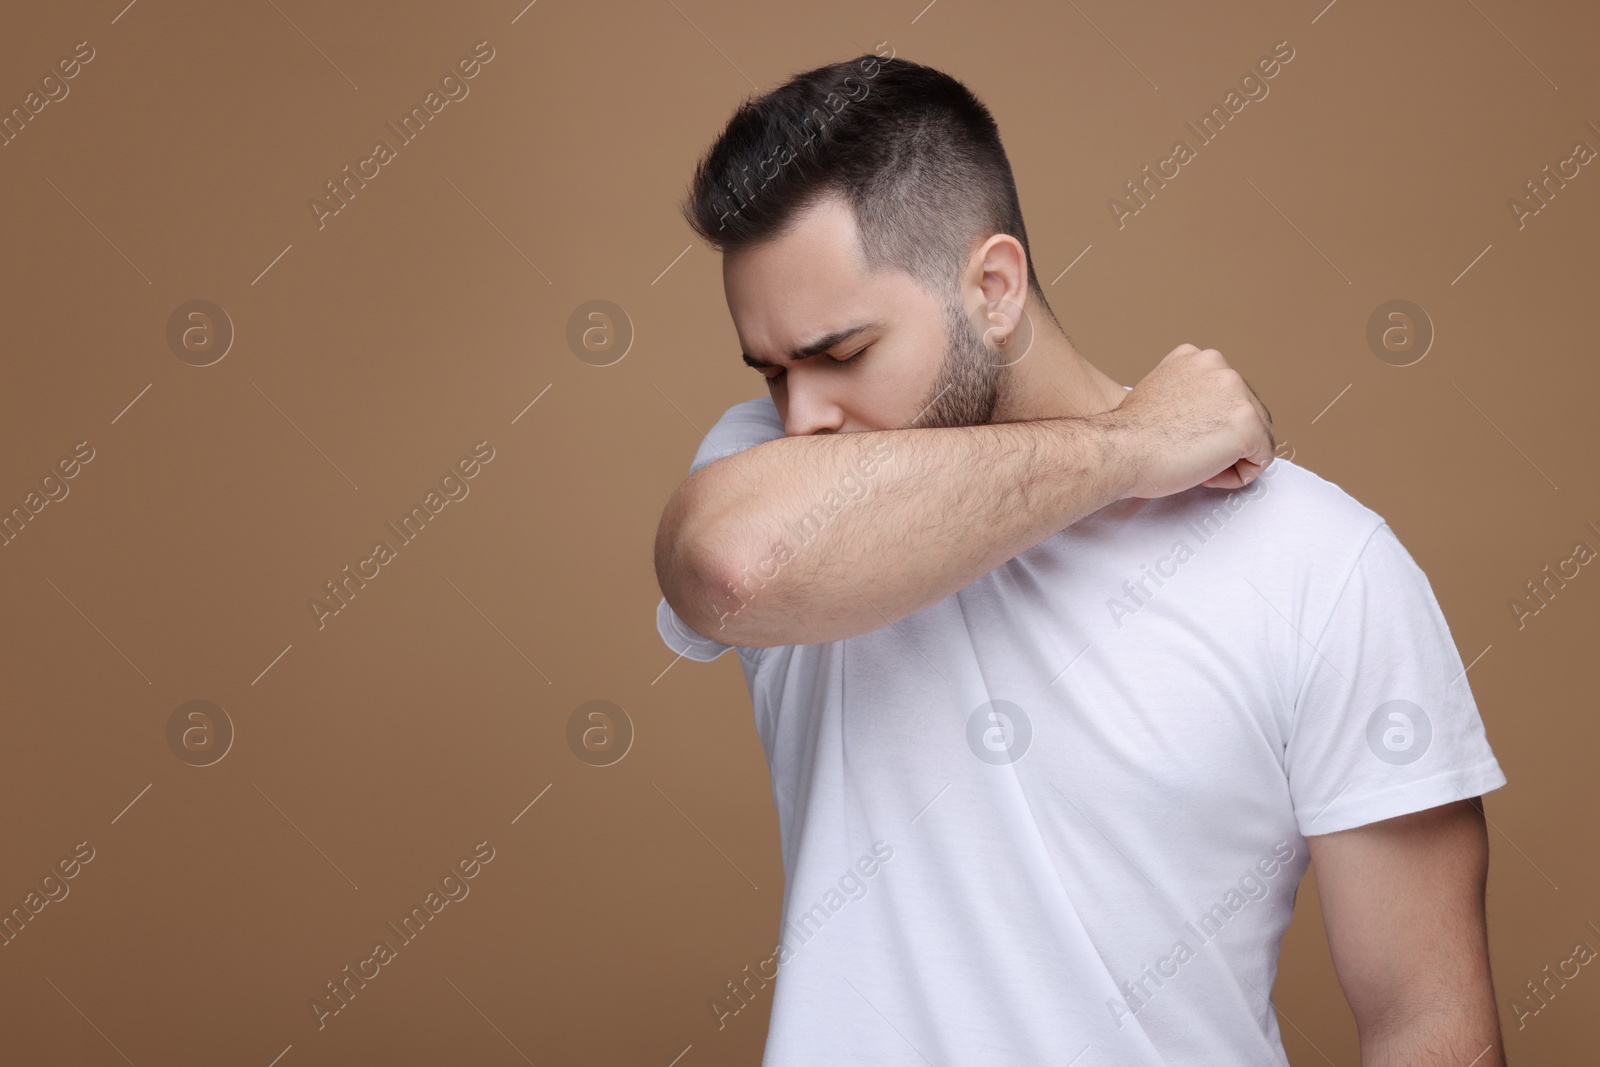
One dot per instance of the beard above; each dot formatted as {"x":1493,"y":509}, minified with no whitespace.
{"x":968,"y":387}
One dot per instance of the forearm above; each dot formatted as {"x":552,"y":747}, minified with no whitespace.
{"x":808,"y":539}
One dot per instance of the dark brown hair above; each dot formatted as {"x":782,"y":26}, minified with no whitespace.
{"x":913,"y":152}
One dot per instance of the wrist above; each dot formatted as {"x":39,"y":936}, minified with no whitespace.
{"x":1116,"y":450}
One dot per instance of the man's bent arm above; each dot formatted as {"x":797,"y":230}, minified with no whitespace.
{"x":808,"y":539}
{"x":852,"y":531}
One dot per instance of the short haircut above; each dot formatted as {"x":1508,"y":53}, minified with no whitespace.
{"x":912,"y":151}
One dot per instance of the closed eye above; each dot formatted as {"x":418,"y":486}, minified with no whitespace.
{"x":778,"y":377}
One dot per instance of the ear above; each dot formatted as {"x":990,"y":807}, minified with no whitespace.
{"x":998,"y":277}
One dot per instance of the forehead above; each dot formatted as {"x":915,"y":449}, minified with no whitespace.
{"x":787,"y":291}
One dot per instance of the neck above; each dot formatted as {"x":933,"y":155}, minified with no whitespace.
{"x":1054,"y":381}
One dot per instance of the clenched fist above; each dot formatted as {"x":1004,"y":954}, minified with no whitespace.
{"x":1193,"y":420}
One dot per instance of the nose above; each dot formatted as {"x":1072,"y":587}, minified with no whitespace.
{"x":811,"y":408}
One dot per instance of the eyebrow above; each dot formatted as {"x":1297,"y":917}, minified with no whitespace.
{"x":817,"y":347}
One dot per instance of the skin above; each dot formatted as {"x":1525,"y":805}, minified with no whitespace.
{"x":926,"y":363}
{"x":1403,"y":899}
{"x":1403,"y":905}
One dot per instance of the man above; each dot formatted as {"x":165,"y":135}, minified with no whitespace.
{"x":1062,"y":683}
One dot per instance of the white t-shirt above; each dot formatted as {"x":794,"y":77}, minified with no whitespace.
{"x":1062,"y":812}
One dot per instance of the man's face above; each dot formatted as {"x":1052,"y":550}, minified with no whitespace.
{"x":915,"y":361}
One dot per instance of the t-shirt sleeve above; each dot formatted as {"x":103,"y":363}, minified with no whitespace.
{"x":742,"y":426}
{"x":1385,"y":721}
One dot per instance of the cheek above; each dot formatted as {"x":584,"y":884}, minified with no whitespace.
{"x":901,"y":387}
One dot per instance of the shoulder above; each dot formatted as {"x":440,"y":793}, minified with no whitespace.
{"x":745,"y":424}
{"x":757,"y":409}
{"x":1305,"y":494}
{"x":757,"y":416}
{"x":1296,"y":510}
{"x":1296,"y":534}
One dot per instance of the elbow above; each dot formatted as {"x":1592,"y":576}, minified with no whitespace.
{"x":694,"y":590}
{"x":692,"y":562}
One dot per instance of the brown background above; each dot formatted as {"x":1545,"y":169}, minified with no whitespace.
{"x":372,"y":353}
